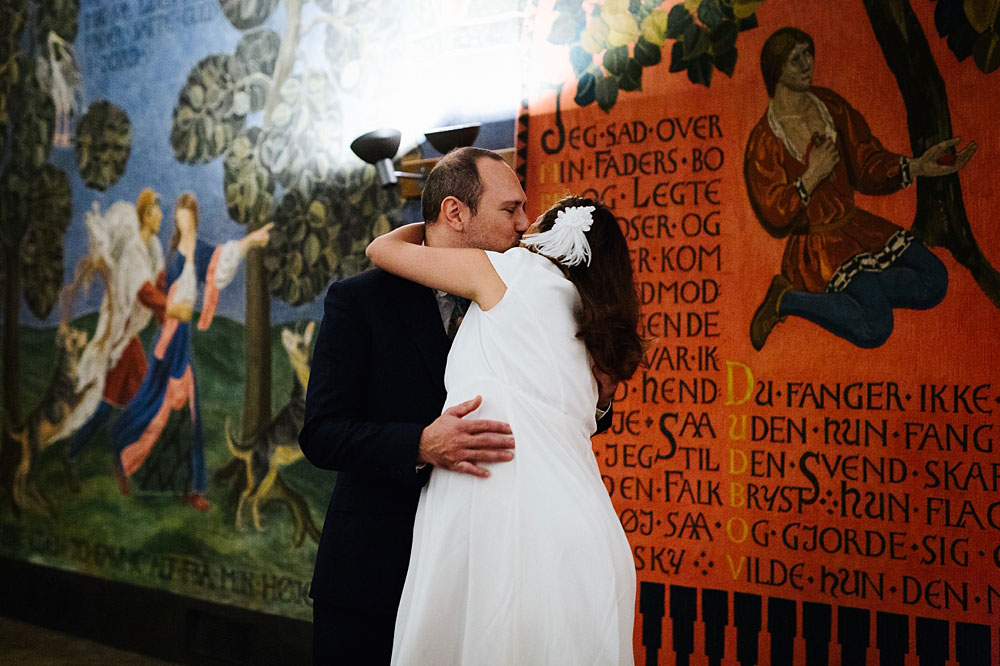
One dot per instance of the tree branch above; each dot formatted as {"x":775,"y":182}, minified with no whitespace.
{"x":256,"y":77}
{"x":326,"y":18}
{"x":286,"y":55}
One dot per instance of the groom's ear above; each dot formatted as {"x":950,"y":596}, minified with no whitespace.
{"x":454,"y":213}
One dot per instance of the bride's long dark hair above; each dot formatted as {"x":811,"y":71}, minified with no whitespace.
{"x":609,"y":312}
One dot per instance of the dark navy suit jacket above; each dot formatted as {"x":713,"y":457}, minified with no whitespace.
{"x":377,"y":380}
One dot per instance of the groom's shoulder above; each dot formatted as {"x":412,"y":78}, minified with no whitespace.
{"x":368,"y":285}
{"x":366,"y":279}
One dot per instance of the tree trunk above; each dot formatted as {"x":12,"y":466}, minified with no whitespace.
{"x":257,"y":391}
{"x":940,"y":220}
{"x":9,"y":454}
{"x":286,"y":54}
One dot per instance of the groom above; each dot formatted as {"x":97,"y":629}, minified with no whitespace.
{"x":373,"y":410}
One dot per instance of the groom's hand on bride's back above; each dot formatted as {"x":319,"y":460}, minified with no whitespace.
{"x":461,"y":445}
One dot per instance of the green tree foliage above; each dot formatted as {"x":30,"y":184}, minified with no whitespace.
{"x":35,"y":195}
{"x":258,"y":53}
{"x":299,"y":145}
{"x":288,"y":164}
{"x":11,"y":59}
{"x":36,"y":201}
{"x":103,"y":145}
{"x":59,"y":16}
{"x":249,"y":187}
{"x":31,"y":139}
{"x":972,"y":27}
{"x":211,"y":109}
{"x":247,"y":14}
{"x":272,"y":111}
{"x":610,"y":48}
{"x":292,"y":154}
{"x":323,"y":232}
{"x":50,"y":203}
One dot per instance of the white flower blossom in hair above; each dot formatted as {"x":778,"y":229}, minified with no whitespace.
{"x":566,"y":241}
{"x":578,"y":217}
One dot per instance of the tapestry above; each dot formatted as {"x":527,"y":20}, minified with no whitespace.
{"x":151,"y":403}
{"x":805,"y":463}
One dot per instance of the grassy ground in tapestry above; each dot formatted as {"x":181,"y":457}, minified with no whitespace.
{"x":157,"y":540}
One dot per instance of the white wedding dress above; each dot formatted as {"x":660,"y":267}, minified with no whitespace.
{"x":529,"y":567}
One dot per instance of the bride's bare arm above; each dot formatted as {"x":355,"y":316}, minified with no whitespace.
{"x":465,"y":272}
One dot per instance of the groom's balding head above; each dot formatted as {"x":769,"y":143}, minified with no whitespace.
{"x":455,"y":175}
{"x":472,"y":198}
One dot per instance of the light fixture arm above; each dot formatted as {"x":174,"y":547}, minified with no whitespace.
{"x":388,"y":176}
{"x":379,"y":147}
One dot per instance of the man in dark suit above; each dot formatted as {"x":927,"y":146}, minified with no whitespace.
{"x":373,"y":410}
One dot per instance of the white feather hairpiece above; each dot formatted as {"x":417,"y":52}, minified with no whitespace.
{"x":566,"y":241}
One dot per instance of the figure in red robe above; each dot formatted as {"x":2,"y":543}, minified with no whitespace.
{"x":843,"y":268}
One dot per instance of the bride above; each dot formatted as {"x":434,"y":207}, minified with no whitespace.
{"x":530,"y":565}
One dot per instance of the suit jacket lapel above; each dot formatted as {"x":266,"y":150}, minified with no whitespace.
{"x":417,"y":308}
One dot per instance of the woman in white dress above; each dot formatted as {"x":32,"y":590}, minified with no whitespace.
{"x":531,"y":565}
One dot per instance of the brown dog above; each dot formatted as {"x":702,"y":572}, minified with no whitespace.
{"x":278,"y":444}
{"x":45,"y":421}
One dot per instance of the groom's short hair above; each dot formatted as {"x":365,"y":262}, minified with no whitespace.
{"x":455,"y":175}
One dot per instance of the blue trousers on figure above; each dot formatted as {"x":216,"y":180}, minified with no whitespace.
{"x":862,"y":312}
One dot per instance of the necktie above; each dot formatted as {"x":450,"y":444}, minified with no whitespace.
{"x":459,"y":307}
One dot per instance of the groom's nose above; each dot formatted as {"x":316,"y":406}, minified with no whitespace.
{"x":522,"y":223}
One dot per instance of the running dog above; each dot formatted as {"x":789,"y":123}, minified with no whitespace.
{"x":40,"y":429}
{"x":277,"y":445}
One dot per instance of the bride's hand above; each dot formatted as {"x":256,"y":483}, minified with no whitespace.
{"x":451,"y":442}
